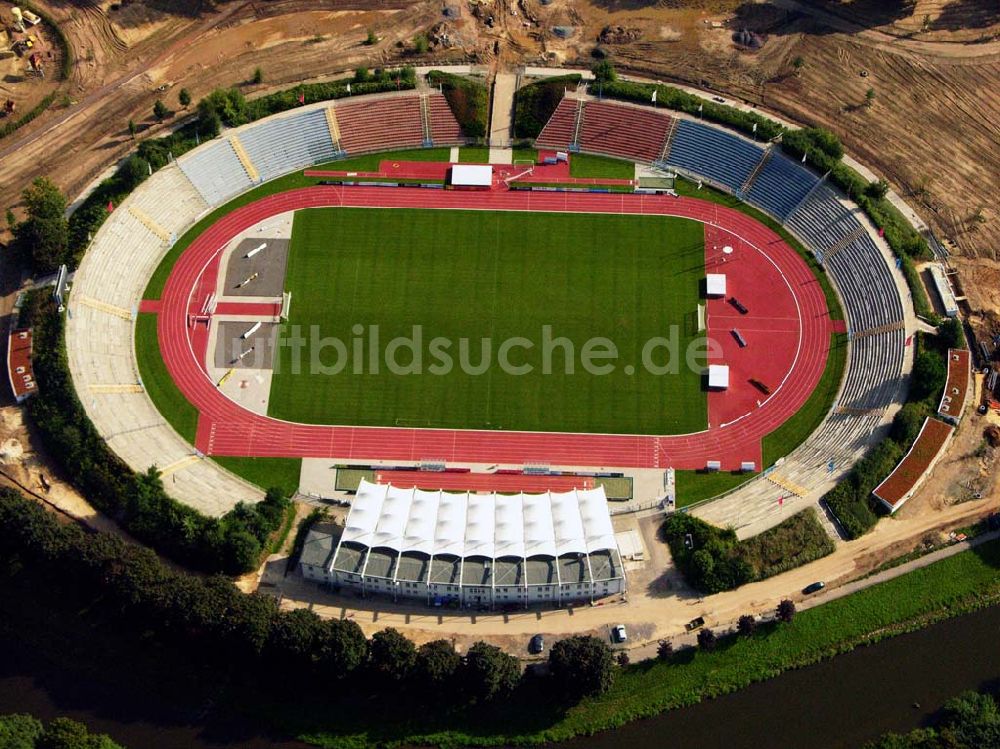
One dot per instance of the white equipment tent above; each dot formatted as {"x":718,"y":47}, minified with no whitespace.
{"x":472,"y":175}
{"x":718,"y":376}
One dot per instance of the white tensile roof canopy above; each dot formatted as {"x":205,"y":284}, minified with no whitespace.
{"x":489,"y":525}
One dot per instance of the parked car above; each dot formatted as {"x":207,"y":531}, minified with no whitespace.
{"x":694,"y":624}
{"x":815,"y":587}
{"x":618,"y":633}
{"x":537,"y":645}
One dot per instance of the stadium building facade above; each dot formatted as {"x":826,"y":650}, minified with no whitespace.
{"x":476,"y":550}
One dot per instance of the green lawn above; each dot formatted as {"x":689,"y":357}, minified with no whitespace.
{"x":160,"y":386}
{"x":266,"y":473}
{"x":588,"y":165}
{"x":472,"y":274}
{"x":696,"y":486}
{"x":474,"y":155}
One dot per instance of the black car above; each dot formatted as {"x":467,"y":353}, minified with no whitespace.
{"x":537,"y":645}
{"x":815,"y":587}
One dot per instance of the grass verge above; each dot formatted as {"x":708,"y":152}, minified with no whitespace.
{"x":160,"y":386}
{"x":585,"y":165}
{"x":266,"y":473}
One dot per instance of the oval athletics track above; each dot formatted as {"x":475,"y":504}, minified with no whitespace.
{"x":227,"y":429}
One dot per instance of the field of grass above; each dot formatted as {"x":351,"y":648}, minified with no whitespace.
{"x":266,"y":473}
{"x":474,"y":155}
{"x":496,"y":275}
{"x":587,"y":165}
{"x":697,"y":486}
{"x":160,"y":386}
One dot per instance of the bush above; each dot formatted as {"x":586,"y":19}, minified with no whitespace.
{"x":231,"y":544}
{"x":583,"y":665}
{"x":535,"y":103}
{"x":785,"y":611}
{"x":42,"y":238}
{"x":717,"y":560}
{"x":707,"y":639}
{"x":468,"y":99}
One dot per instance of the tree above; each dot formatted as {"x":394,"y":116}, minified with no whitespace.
{"x":798,"y":62}
{"x":970,"y":720}
{"x":184,"y":97}
{"x":362,"y":75}
{"x":622,"y":659}
{"x":929,"y":375}
{"x":877,"y":189}
{"x":258,"y":76}
{"x":604,"y":70}
{"x":11,"y":219}
{"x":869,"y":97}
{"x":746,"y":625}
{"x":665,"y":650}
{"x":132,"y":129}
{"x":785,"y":611}
{"x":43,"y":236}
{"x":371,"y":39}
{"x":488,"y":672}
{"x":343,"y":645}
{"x":420,"y":44}
{"x":63,"y":733}
{"x":583,"y":665}
{"x":392,"y":654}
{"x":160,"y":111}
{"x":951,"y":333}
{"x":19,"y":731}
{"x":707,"y":639}
{"x":437,"y":663}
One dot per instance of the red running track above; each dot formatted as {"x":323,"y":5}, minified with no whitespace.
{"x":224,"y":428}
{"x":482,"y":482}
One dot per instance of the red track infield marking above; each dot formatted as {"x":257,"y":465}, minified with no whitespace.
{"x":482,"y":482}
{"x":225,"y":428}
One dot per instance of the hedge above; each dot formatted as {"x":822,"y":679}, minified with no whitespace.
{"x":535,"y":103}
{"x":469,"y":101}
{"x":231,"y":544}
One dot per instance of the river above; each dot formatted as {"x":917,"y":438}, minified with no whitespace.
{"x":895,"y":685}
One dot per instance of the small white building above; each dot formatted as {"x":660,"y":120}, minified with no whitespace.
{"x":472,"y":176}
{"x":715,"y":284}
{"x":718,"y":376}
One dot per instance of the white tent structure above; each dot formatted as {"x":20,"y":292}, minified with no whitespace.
{"x":405,"y":542}
{"x":472,"y":175}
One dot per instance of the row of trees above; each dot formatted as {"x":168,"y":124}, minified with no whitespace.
{"x":240,"y":634}
{"x":19,"y":731}
{"x":232,"y":544}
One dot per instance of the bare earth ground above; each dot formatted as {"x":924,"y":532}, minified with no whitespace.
{"x":934,"y":131}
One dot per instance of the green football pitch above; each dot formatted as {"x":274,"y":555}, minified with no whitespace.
{"x":465,"y":276}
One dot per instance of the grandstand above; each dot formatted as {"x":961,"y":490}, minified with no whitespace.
{"x":712,"y":153}
{"x":278,"y":145}
{"x":375,"y":125}
{"x":216,"y":171}
{"x":467,"y":549}
{"x":634,"y":133}
{"x":558,"y":133}
{"x":780,"y":186}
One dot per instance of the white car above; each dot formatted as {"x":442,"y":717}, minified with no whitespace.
{"x":618,"y":633}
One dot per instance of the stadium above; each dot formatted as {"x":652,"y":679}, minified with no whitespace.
{"x":187,"y":330}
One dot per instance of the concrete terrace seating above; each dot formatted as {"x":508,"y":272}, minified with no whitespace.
{"x":780,"y":186}
{"x":823,"y":220}
{"x":558,"y":131}
{"x":280,"y":145}
{"x":106,"y":291}
{"x":444,"y":127}
{"x":380,"y":124}
{"x":177,"y":213}
{"x":215,"y":171}
{"x":635,"y":133}
{"x":713,"y":153}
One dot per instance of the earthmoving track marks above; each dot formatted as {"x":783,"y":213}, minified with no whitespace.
{"x":104,"y":27}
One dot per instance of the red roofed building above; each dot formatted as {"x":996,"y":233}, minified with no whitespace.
{"x":22,"y":378}
{"x":956,"y":389}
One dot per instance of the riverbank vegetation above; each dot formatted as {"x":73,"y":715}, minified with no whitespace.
{"x":19,"y":731}
{"x":968,"y":721}
{"x":713,"y":559}
{"x":113,"y":609}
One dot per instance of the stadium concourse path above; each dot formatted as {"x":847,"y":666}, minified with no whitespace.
{"x":224,"y":428}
